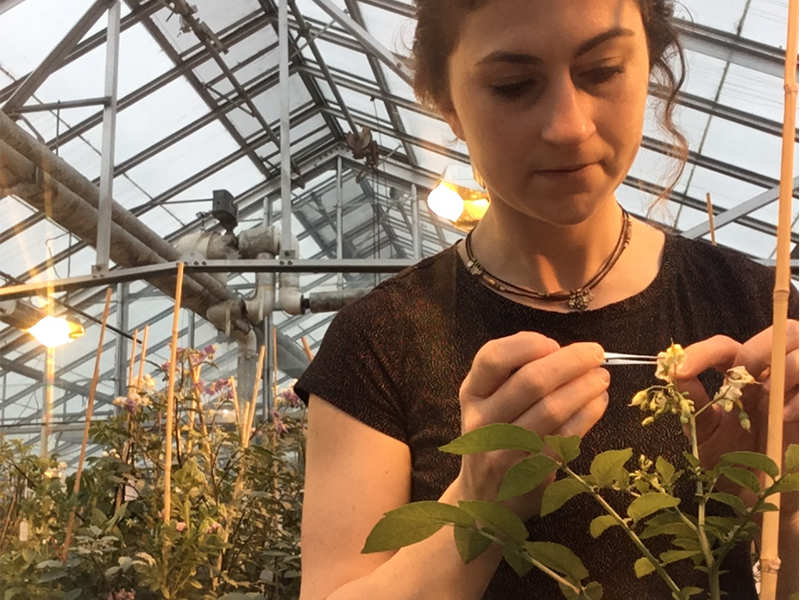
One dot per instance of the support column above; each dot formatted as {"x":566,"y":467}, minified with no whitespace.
{"x":109,"y":136}
{"x":286,"y":150}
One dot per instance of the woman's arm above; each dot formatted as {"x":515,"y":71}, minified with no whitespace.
{"x":355,"y":474}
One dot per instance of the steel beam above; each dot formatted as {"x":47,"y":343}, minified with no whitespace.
{"x":724,"y":217}
{"x":55,"y":59}
{"x":731,"y":48}
{"x":106,"y":188}
{"x":367,"y":40}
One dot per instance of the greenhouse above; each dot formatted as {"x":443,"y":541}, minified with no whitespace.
{"x":193,"y":190}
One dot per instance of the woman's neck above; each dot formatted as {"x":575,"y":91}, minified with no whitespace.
{"x":546,"y":257}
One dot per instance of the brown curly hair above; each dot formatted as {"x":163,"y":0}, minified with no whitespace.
{"x":436,"y":36}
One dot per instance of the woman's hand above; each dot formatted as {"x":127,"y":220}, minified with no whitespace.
{"x":719,"y":432}
{"x":528,"y":380}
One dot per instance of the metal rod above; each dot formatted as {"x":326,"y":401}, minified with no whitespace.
{"x":339,"y":220}
{"x":106,"y":187}
{"x":416,"y":237}
{"x":47,"y":406}
{"x":61,"y":104}
{"x":286,"y":151}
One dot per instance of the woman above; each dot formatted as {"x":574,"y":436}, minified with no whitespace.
{"x":549,"y":97}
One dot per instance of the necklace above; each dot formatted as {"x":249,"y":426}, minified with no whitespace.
{"x":577,"y":299}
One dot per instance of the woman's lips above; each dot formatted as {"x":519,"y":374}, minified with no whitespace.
{"x":577,"y":172}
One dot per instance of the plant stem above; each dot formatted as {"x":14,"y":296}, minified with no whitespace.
{"x":631,"y":534}
{"x":701,"y":517}
{"x":544,"y":569}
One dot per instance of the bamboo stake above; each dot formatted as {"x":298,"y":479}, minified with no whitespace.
{"x":251,"y":412}
{"x":770,"y":561}
{"x":173,"y":353}
{"x":132,"y":364}
{"x":142,"y":356}
{"x":710,"y":209}
{"x":89,"y":408}
{"x":307,"y":348}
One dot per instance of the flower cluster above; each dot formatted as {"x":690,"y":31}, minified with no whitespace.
{"x":212,"y":528}
{"x":668,"y":362}
{"x":132,"y":402}
{"x":56,"y":472}
{"x":730,"y":394}
{"x":661,"y":400}
{"x":288,"y":397}
{"x":122,"y":595}
{"x":280,"y":426}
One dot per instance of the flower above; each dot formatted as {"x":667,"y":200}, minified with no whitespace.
{"x":288,"y":397}
{"x":669,"y":361}
{"x":148,"y":383}
{"x":212,"y":528}
{"x":181,"y":526}
{"x":122,"y":595}
{"x":132,"y":402}
{"x":730,"y":393}
{"x":280,"y":426}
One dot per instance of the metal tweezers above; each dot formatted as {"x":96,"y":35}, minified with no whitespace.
{"x":614,"y":358}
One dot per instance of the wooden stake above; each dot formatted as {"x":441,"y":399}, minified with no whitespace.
{"x":770,"y":561}
{"x":89,"y":408}
{"x":142,"y":356}
{"x":173,"y":354}
{"x":307,"y":348}
{"x":710,"y":209}
{"x":251,"y":412}
{"x":235,"y":398}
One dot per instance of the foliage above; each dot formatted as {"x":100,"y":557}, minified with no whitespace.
{"x":652,"y":512}
{"x":236,"y":497}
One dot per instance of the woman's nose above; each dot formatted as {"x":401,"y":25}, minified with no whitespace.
{"x":567,"y":116}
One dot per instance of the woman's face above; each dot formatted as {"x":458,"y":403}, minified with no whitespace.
{"x":549,"y":96}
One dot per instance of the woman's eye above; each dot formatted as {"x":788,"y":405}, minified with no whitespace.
{"x":602,"y":74}
{"x":513,"y":90}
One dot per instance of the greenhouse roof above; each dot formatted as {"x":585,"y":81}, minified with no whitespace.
{"x":199,"y":109}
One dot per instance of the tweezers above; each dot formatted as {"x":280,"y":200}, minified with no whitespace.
{"x":614,"y":358}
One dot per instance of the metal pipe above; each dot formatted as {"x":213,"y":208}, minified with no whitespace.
{"x":416,"y":238}
{"x":286,"y":150}
{"x":339,"y":220}
{"x":106,"y":193}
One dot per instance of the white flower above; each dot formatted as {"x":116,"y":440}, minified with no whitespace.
{"x":668,"y":361}
{"x":148,"y":383}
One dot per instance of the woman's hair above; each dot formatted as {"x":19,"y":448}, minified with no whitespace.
{"x":439,"y":22}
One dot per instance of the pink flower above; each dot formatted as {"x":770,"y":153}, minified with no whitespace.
{"x":280,"y":426}
{"x":121,"y":595}
{"x":181,"y":526}
{"x":212,"y":528}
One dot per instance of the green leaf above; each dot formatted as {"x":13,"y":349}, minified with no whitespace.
{"x":742,"y":477}
{"x":594,"y":590}
{"x":647,"y":504}
{"x":558,"y":493}
{"x":766,"y":507}
{"x":790,"y":459}
{"x":690,"y":591}
{"x":470,"y":543}
{"x":606,"y":465}
{"x":72,"y":594}
{"x":643,"y":567}
{"x":734,"y":502}
{"x":499,"y":436}
{"x":496,"y":517}
{"x":412,"y":523}
{"x":691,"y":459}
{"x":52,"y":576}
{"x":671,"y":556}
{"x":568,"y":448}
{"x":525,"y":476}
{"x":514,"y":558}
{"x":787,"y":483}
{"x":665,"y":469}
{"x":754,"y":460}
{"x":677,"y":528}
{"x":557,"y":557}
{"x":600,"y":524}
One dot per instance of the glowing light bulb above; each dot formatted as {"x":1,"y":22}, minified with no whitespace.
{"x":56,"y":331}
{"x":445,"y":202}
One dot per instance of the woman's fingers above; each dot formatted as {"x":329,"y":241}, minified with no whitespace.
{"x":498,"y":359}
{"x":791,"y":410}
{"x":538,"y":380}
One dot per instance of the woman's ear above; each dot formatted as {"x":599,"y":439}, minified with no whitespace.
{"x":451,"y":117}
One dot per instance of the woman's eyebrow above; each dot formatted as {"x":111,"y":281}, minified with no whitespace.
{"x":530,"y":59}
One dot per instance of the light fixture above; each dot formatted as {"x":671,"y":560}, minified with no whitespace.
{"x":56,"y":331}
{"x":459,"y":197}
